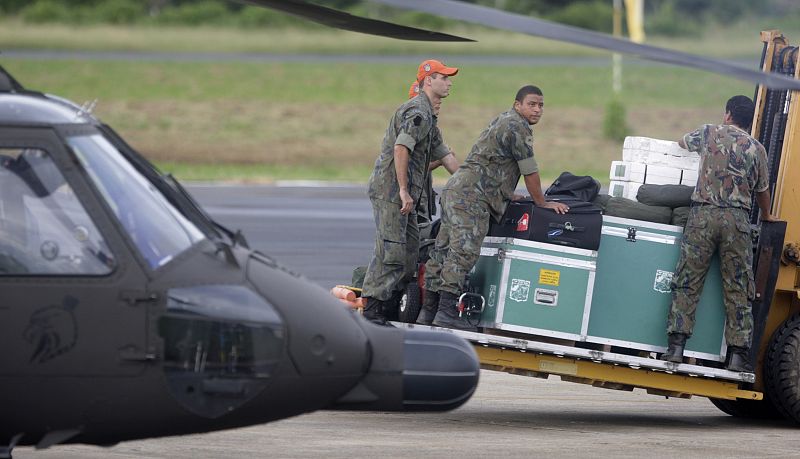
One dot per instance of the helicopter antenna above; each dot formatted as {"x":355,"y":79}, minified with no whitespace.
{"x":8,"y":83}
{"x":86,"y":108}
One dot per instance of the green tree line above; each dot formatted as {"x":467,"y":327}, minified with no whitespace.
{"x":663,"y":17}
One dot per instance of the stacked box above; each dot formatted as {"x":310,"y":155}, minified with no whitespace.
{"x":618,"y":295}
{"x":631,"y":297}
{"x":620,"y":189}
{"x":625,"y":171}
{"x":658,"y":153}
{"x":689,"y":178}
{"x":652,"y":161}
{"x":534,"y":287}
{"x":663,"y":175}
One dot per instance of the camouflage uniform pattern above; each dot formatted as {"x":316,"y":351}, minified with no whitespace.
{"x":397,"y":236}
{"x":465,"y":222}
{"x":733,"y":165}
{"x":710,"y":228}
{"x":480,"y":189}
{"x":415,"y":126}
{"x":396,"y":251}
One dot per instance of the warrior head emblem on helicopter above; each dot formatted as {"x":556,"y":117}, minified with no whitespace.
{"x":52,"y":330}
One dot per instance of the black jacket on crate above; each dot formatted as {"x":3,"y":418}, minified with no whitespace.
{"x":581,"y":187}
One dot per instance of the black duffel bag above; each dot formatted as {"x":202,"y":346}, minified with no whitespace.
{"x":580,"y":227}
{"x":581,"y":187}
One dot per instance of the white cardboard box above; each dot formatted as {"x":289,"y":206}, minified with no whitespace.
{"x":624,"y":171}
{"x":628,"y":171}
{"x":622,"y":189}
{"x":689,"y":162}
{"x":655,"y":152}
{"x":689,"y":178}
{"x":663,"y":175}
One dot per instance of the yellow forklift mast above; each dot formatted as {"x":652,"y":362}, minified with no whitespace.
{"x":777,"y":125}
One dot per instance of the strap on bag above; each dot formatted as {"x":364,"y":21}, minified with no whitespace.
{"x":568,"y":226}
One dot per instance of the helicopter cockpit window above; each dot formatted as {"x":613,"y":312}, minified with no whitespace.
{"x":158,"y":230}
{"x":44,"y":229}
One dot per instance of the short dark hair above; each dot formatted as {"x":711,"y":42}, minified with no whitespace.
{"x":525,"y":90}
{"x":742,"y":110}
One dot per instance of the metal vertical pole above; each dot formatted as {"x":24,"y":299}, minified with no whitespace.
{"x":616,"y":76}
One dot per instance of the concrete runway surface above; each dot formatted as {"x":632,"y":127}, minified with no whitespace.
{"x":324,"y":232}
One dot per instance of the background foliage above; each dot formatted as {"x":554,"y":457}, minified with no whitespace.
{"x":664,"y":17}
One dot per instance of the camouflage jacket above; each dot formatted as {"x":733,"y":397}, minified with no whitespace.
{"x":414,"y":126}
{"x":733,"y":165}
{"x":503,"y":152}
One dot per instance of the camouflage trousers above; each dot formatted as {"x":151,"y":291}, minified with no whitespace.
{"x":394,"y":261}
{"x":465,"y":222}
{"x":710,"y":229}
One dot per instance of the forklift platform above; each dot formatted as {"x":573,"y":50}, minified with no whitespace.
{"x":601,"y":368}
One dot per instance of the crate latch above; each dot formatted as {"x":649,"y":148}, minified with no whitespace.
{"x":631,"y":234}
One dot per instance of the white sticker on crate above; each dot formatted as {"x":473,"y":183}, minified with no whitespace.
{"x":492,"y":295}
{"x":520,"y":289}
{"x":662,"y":281}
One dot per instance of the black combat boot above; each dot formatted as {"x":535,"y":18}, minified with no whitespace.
{"x":374,"y":311}
{"x":674,"y":354}
{"x":429,"y":308}
{"x":739,"y":359}
{"x":447,"y":316}
{"x":391,"y":308}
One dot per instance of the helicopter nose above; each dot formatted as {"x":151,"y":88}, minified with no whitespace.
{"x":414,"y":370}
{"x":441,"y":371}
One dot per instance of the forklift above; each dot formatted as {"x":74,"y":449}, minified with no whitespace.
{"x":598,"y":317}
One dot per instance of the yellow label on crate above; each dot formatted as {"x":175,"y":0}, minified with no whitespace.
{"x":549,"y":277}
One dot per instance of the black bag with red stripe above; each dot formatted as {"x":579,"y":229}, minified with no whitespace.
{"x":580,"y":227}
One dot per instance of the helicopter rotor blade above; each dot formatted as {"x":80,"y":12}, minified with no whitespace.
{"x":341,"y":20}
{"x":540,"y":28}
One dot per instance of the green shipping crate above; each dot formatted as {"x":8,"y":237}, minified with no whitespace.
{"x":535,"y":288}
{"x":635,"y":264}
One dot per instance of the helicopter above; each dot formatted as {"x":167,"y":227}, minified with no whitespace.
{"x":127,"y":312}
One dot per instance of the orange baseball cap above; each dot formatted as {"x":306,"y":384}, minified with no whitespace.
{"x":413,"y":90}
{"x":432,"y":66}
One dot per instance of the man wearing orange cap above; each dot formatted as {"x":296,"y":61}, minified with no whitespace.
{"x":450,"y":162}
{"x":411,"y":142}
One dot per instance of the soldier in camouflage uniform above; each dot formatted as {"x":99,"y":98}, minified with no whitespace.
{"x":480,"y":190}
{"x":733,"y":167}
{"x":411,"y":142}
{"x":427,"y":206}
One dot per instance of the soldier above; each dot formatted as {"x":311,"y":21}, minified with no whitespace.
{"x":411,"y":142}
{"x":733,"y":167}
{"x":479,"y":190}
{"x":426,"y":207}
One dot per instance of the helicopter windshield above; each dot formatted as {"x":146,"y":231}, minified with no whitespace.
{"x":157,"y":228}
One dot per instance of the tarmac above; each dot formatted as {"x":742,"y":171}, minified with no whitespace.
{"x":508,"y":416}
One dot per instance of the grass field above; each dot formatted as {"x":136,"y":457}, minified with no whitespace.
{"x":323,"y":118}
{"x":736,"y":41}
{"x":267,"y":121}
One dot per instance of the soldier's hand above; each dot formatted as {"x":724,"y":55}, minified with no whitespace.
{"x":560,"y":208}
{"x":768,"y":218}
{"x":406,"y":203}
